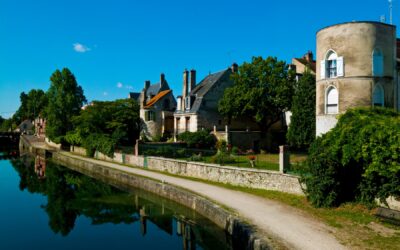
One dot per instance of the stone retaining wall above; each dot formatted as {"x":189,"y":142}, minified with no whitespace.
{"x":244,"y":235}
{"x":244,"y":177}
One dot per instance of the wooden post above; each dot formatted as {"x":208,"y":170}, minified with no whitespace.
{"x":284,"y":158}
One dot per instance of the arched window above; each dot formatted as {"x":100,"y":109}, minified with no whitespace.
{"x":332,"y":98}
{"x":378,"y":96}
{"x":331,"y":67}
{"x":377,"y":62}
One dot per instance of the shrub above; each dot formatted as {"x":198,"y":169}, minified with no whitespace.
{"x":358,"y":160}
{"x":200,"y":139}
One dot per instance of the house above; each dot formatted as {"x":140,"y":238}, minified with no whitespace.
{"x":300,"y":65}
{"x":357,"y":66}
{"x":157,"y":106}
{"x":26,"y":127}
{"x":197,"y":109}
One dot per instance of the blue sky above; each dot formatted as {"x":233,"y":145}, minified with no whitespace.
{"x":112,"y":47}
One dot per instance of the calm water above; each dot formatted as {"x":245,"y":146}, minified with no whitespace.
{"x":47,"y":206}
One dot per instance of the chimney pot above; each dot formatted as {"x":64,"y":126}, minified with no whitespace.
{"x":192,"y":79}
{"x":234,"y":68}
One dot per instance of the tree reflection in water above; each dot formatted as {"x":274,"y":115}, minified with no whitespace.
{"x":71,"y":194}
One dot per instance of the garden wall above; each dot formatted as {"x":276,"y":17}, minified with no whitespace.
{"x":244,"y":177}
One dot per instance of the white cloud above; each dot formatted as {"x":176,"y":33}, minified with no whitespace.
{"x":119,"y":85}
{"x":128,"y":87}
{"x":105,"y":93}
{"x":78,"y":47}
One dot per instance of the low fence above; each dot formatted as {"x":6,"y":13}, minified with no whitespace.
{"x":253,"y":178}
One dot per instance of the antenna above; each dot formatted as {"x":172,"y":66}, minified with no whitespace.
{"x":391,"y":11}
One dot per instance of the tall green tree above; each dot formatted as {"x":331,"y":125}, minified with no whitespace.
{"x":65,"y":100}
{"x":262,"y":91}
{"x":301,"y":131}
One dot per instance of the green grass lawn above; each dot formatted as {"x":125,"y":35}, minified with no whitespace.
{"x":267,"y":161}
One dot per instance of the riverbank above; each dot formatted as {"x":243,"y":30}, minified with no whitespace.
{"x":292,"y":228}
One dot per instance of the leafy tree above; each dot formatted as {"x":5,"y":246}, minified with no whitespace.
{"x":65,"y":100}
{"x":301,"y":131}
{"x":32,"y":104}
{"x":358,"y":160}
{"x":262,"y":90}
{"x":8,"y":125}
{"x":103,"y":125}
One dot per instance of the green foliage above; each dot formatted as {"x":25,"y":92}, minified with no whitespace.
{"x":32,"y":105}
{"x":262,"y":90}
{"x":200,"y":139}
{"x":65,"y":100}
{"x":222,"y":158}
{"x":301,"y":131}
{"x":167,"y":151}
{"x":357,"y":160}
{"x":103,"y":125}
{"x":8,"y":125}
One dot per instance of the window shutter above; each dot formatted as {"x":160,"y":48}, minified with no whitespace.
{"x":340,"y":66}
{"x":323,"y":69}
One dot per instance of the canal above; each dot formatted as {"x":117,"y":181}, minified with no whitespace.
{"x":48,"y":206}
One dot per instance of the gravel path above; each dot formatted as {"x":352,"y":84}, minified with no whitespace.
{"x":288,"y":225}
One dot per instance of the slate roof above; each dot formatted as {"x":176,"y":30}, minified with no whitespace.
{"x":134,"y":95}
{"x":156,"y":98}
{"x":203,"y":88}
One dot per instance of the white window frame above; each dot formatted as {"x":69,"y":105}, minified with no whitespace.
{"x":327,"y":90}
{"x":331,"y":57}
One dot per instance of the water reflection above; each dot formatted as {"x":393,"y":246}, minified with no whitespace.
{"x":71,"y":194}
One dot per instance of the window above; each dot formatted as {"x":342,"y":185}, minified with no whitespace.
{"x":187,"y":124}
{"x":332,"y":66}
{"x":377,"y":62}
{"x":187,"y":102}
{"x":149,"y":116}
{"x":332,"y":98}
{"x":378,"y":96}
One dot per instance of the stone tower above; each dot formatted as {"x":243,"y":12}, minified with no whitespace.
{"x":356,"y":66}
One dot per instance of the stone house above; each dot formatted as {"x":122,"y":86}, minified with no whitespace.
{"x":40,"y":127}
{"x":357,"y":66}
{"x":197,"y":109}
{"x":307,"y":62}
{"x":157,"y":106}
{"x":26,"y":127}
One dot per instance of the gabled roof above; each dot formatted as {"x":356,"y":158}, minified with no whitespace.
{"x":156,"y":98}
{"x":206,"y":84}
{"x":304,"y":61}
{"x":204,"y":87}
{"x":153,"y":89}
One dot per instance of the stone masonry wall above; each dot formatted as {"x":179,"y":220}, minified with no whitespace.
{"x":253,"y":178}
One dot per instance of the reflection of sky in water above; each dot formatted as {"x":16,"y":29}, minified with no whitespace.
{"x":24,"y":220}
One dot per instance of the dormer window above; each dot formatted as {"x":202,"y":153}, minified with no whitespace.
{"x":332,"y":66}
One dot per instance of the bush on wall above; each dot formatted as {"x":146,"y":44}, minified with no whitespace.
{"x":200,"y":139}
{"x":358,"y":160}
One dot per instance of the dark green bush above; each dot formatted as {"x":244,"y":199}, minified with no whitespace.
{"x":200,"y":139}
{"x":358,"y":160}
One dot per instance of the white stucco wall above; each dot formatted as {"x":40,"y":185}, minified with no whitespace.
{"x":325,"y":123}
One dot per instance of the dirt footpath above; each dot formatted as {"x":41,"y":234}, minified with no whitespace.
{"x":288,"y":225}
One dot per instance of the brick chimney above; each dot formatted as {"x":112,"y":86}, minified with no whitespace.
{"x":143,"y":95}
{"x":309,"y":56}
{"x":185,"y":87}
{"x":192,"y":79}
{"x":162,"y":80}
{"x":234,"y":68}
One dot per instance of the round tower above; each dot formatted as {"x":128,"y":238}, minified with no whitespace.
{"x":356,"y":66}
